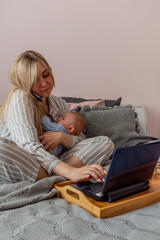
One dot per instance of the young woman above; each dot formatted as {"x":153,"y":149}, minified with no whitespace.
{"x":24,"y":148}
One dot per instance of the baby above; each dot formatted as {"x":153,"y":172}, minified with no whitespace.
{"x":70,"y":123}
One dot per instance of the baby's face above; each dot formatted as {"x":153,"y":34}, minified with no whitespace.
{"x":66,"y":120}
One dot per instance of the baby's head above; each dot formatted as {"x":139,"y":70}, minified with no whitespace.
{"x":73,"y":122}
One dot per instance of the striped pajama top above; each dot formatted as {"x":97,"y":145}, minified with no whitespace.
{"x":19,"y":126}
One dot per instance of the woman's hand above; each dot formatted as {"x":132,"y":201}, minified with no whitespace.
{"x":51,"y":139}
{"x":96,"y":171}
{"x":77,"y":174}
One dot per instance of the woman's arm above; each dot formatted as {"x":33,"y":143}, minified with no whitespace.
{"x":78,"y":174}
{"x":51,"y":139}
{"x":21,"y":125}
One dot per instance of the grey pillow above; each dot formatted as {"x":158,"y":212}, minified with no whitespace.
{"x":108,"y":103}
{"x":116,"y":122}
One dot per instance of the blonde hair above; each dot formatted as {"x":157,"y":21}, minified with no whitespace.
{"x":23,"y":75}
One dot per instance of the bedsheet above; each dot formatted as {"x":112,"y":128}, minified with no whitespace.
{"x":34,"y":211}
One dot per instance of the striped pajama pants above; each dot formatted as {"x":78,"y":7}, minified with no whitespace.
{"x":17,"y":165}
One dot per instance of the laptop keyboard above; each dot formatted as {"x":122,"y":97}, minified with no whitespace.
{"x":91,"y":187}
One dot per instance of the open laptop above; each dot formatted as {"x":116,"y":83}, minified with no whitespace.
{"x":129,"y":173}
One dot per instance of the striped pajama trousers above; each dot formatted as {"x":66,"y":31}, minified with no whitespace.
{"x":17,"y":165}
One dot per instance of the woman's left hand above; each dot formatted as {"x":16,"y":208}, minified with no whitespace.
{"x":51,"y":139}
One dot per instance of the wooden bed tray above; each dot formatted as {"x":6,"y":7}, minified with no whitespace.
{"x":106,"y":209}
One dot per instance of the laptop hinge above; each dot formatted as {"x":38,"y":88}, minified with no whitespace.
{"x":127,"y":191}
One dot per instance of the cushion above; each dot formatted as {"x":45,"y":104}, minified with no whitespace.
{"x":116,"y":122}
{"x":99,"y":103}
{"x":108,"y":103}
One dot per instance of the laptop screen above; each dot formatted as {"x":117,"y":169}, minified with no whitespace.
{"x":132,"y":165}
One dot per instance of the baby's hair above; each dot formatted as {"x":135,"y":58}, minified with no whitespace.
{"x":79,"y":123}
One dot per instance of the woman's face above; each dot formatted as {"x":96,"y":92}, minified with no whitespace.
{"x":44,"y":83}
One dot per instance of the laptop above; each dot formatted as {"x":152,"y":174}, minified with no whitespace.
{"x":129,"y":173}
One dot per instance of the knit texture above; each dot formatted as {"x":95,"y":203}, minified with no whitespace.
{"x":54,"y":218}
{"x":116,"y":122}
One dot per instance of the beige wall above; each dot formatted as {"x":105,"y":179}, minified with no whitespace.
{"x":97,"y":48}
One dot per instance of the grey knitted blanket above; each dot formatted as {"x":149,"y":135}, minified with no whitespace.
{"x":34,"y":212}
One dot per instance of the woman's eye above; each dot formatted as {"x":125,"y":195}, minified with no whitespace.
{"x":46,"y":75}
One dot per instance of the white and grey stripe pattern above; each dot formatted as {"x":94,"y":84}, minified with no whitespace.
{"x":20,"y":128}
{"x":16,"y":164}
{"x":91,"y":150}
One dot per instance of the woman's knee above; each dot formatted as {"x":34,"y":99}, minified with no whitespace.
{"x":108,"y":142}
{"x":103,"y":141}
{"x":108,"y":146}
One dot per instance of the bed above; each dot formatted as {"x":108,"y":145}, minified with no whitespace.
{"x":35,"y":210}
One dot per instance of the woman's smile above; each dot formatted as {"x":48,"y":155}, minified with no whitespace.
{"x":44,"y":83}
